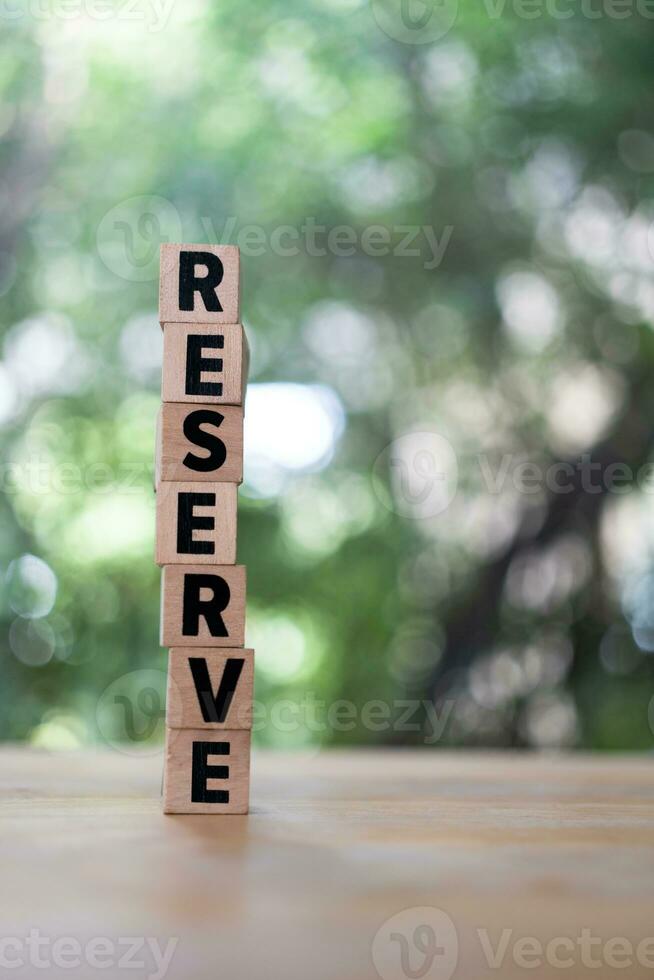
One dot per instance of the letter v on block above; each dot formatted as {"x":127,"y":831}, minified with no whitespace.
{"x":210,"y":688}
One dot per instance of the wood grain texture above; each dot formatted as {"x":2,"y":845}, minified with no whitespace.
{"x":334,"y":845}
{"x":227,"y":292}
{"x":221,"y":593}
{"x":182,"y":510}
{"x":185,"y":688}
{"x":178,"y":456}
{"x":196,"y":370}
{"x":206,"y":771}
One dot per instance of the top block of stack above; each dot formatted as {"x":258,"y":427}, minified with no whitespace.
{"x":199,"y":284}
{"x":205,"y":351}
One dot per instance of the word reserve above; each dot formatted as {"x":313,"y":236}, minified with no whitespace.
{"x":198,"y":466}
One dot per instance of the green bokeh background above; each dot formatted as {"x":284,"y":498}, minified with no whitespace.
{"x":522,"y":139}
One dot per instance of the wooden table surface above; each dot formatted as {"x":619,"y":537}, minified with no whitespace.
{"x":482,"y":855}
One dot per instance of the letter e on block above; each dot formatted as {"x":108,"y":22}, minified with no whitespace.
{"x":206,"y":771}
{"x":204,"y":363}
{"x":196,"y":524}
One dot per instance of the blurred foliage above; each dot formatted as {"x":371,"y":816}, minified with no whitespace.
{"x":525,"y":147}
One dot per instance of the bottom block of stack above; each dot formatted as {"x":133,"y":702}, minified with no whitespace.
{"x":206,"y":771}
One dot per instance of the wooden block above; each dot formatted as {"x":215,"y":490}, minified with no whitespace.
{"x":206,"y":772}
{"x":199,"y":443}
{"x":196,"y":524}
{"x":210,"y":688}
{"x":204,"y":362}
{"x":203,"y":606}
{"x":199,"y":284}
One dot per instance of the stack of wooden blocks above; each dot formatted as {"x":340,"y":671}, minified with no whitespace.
{"x":198,"y":466}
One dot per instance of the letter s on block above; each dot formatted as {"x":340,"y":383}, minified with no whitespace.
{"x":195,"y":434}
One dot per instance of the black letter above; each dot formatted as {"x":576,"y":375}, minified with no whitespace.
{"x":206,"y":440}
{"x":201,"y":772}
{"x":215,"y":707}
{"x":193,"y":607}
{"x":196,"y":364}
{"x":188,"y":522}
{"x":190,"y":283}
